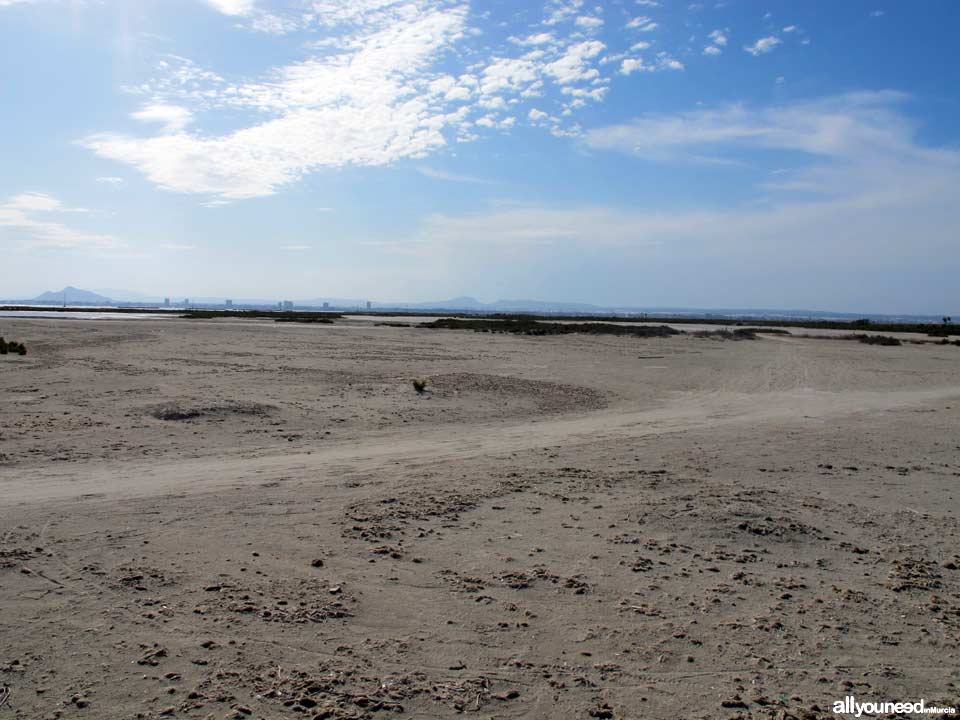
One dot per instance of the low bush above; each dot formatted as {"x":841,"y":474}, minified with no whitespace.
{"x":878,"y":340}
{"x":738,"y":334}
{"x":12,"y":348}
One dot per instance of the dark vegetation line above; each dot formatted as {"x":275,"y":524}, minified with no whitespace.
{"x":932,"y":329}
{"x":876,"y":339}
{"x":527,"y":326}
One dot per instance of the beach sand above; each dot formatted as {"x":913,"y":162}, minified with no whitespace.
{"x":246,"y":519}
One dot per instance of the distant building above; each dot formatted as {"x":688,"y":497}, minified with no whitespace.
{"x":229,"y":303}
{"x":368,"y":304}
{"x":326,"y":306}
{"x":186,"y":302}
{"x":287,"y":305}
{"x":166,"y":302}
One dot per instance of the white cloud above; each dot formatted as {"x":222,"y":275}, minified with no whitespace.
{"x":232,"y":7}
{"x":173,"y":118}
{"x":111,"y":181}
{"x":846,"y":125}
{"x":34,"y":202}
{"x":642,"y":23}
{"x":763,"y":45}
{"x":574,"y":64}
{"x":712,"y":50}
{"x":537,"y":115}
{"x":543,"y":38}
{"x":27,"y":215}
{"x":561,"y":10}
{"x":435,"y":174}
{"x":365,"y":106}
{"x":371,"y":95}
{"x":790,"y":28}
{"x":589,"y":22}
{"x":718,"y":37}
{"x":632,"y":65}
{"x":665,"y":62}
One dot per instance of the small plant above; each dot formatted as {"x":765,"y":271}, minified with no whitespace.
{"x":420,"y":386}
{"x":12,"y":347}
{"x":878,"y":340}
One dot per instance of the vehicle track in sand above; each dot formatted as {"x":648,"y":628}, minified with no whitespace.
{"x":686,"y":411}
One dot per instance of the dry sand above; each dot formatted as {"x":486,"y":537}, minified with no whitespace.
{"x":243,"y":519}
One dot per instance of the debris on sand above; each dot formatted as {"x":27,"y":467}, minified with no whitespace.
{"x":182,"y":411}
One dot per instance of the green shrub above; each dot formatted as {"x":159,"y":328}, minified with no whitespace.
{"x":886,"y":340}
{"x":7,"y":347}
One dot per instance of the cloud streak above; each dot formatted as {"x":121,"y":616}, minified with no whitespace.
{"x":29,"y":215}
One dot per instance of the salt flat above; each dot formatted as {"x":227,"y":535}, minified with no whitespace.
{"x":252,"y":519}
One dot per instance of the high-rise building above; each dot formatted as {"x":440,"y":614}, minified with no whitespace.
{"x":166,"y":302}
{"x":287,"y":305}
{"x":368,"y":304}
{"x":326,"y":306}
{"x":229,"y":303}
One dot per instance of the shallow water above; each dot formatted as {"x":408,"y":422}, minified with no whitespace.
{"x":84,"y":315}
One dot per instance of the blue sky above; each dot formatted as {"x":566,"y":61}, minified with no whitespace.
{"x":621,"y":152}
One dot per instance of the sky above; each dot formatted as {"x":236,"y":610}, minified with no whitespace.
{"x":643,"y":153}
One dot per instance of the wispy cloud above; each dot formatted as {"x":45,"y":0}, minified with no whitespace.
{"x":173,"y":118}
{"x":435,"y":174}
{"x":374,"y":95}
{"x":232,"y":7}
{"x":763,"y":45}
{"x":642,"y":24}
{"x":28,"y":215}
{"x":849,"y":125}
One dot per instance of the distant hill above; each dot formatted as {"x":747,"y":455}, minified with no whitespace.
{"x":72,"y":296}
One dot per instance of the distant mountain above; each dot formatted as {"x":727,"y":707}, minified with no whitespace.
{"x":73,"y":296}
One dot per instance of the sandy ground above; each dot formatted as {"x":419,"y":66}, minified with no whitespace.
{"x":244,"y":519}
